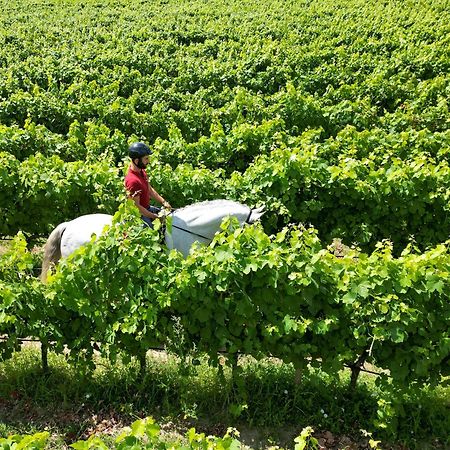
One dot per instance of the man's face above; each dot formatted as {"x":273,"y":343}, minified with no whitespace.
{"x":142,"y":162}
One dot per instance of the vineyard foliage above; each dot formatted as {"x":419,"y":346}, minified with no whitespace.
{"x":333,"y":114}
{"x":284,"y":295}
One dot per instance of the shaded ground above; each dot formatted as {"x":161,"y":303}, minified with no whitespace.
{"x":69,"y":424}
{"x":71,"y":408}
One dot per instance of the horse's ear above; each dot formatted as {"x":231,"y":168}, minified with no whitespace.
{"x":256,"y":214}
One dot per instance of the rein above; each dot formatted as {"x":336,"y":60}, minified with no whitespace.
{"x":191,"y":232}
{"x":204,"y":237}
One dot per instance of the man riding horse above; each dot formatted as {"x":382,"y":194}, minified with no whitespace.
{"x":138,"y":187}
{"x":196,"y":223}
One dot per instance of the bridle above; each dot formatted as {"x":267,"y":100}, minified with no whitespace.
{"x":204,"y":237}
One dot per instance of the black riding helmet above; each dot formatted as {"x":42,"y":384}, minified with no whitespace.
{"x":138,"y":150}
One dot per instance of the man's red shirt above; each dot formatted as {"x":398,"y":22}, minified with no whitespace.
{"x":136,"y":183}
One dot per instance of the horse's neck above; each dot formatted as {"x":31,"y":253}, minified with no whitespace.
{"x":208,"y":215}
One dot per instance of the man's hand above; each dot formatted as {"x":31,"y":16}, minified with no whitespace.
{"x":162,"y":215}
{"x":166,"y":205}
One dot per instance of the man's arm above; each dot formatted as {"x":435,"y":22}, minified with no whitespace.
{"x":142,"y":210}
{"x":155,"y":196}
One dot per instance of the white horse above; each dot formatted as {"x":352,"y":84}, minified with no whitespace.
{"x":194,"y":223}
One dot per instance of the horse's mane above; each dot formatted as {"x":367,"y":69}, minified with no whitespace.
{"x":219,"y":203}
{"x":209,"y":211}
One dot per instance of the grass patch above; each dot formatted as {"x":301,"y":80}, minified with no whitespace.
{"x":264,"y":396}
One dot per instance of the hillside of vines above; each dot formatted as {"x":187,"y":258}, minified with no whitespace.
{"x":332,"y":114}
